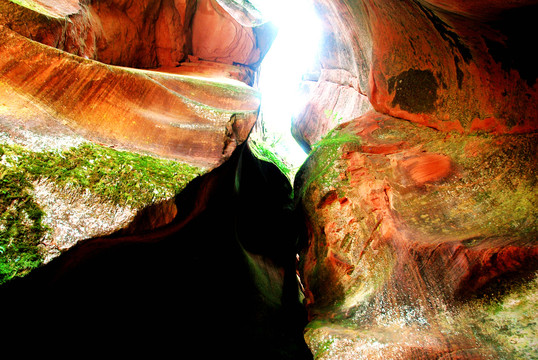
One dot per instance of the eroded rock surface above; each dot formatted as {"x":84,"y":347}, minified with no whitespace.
{"x":422,"y":214}
{"x":193,"y":105}
{"x":192,"y":119}
{"x":447,"y":65}
{"x":408,"y":227}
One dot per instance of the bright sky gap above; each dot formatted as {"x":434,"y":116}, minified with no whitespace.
{"x":293,"y":54}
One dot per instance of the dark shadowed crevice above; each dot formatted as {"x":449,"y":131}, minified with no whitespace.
{"x":193,"y":285}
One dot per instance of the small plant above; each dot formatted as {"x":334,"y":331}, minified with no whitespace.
{"x":265,"y":151}
{"x":325,"y":154}
{"x":331,"y":114}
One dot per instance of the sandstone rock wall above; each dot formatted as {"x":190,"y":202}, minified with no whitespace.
{"x":421,"y":211}
{"x":447,"y":65}
{"x":413,"y":233}
{"x":64,"y":72}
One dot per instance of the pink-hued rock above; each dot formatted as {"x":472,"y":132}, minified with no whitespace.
{"x":217,"y":36}
{"x":335,"y":98}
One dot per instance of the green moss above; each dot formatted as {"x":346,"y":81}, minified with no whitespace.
{"x":324,"y":156}
{"x":492,"y":185}
{"x":122,"y":178}
{"x":263,"y":151}
{"x":21,"y":225}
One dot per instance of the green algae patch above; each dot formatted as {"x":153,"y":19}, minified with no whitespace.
{"x":263,"y":151}
{"x":121,"y":178}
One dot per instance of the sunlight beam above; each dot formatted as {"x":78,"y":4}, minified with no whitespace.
{"x":292,"y":55}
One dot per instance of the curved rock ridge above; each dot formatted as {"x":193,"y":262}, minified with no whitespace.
{"x":451,"y":65}
{"x":196,"y":120}
{"x":415,"y":237}
{"x":218,"y":36}
{"x":421,"y":215}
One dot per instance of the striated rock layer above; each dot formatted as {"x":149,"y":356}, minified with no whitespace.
{"x":193,"y":105}
{"x":414,"y":236}
{"x":192,"y":119}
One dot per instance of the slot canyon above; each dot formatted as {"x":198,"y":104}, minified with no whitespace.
{"x":139,"y":216}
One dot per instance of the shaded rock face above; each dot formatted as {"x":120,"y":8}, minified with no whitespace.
{"x":407,"y":229}
{"x":141,"y":34}
{"x":185,"y":287}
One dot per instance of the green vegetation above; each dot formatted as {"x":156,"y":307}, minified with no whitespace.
{"x":331,"y":114}
{"x":504,"y":317}
{"x":21,"y":225}
{"x":264,"y":150}
{"x":122,"y":178}
{"x":325,"y":154}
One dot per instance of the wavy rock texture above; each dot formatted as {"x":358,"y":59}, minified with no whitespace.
{"x":195,"y":120}
{"x":448,"y":65}
{"x":335,"y":97}
{"x":411,"y":232}
{"x":422,"y":215}
{"x":121,"y":74}
{"x":420,"y":207}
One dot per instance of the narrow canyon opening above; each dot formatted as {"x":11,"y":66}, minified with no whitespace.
{"x":288,"y":69}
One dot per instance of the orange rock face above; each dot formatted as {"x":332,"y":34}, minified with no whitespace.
{"x":195,"y":120}
{"x":197,"y":112}
{"x":136,"y":34}
{"x":422,"y":216}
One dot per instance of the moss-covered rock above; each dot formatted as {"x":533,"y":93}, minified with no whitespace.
{"x":100,"y":177}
